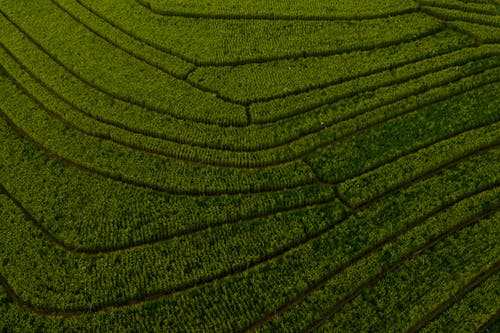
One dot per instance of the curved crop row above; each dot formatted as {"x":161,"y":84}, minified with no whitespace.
{"x":386,"y":219}
{"x":285,"y":40}
{"x":423,"y":192}
{"x":167,"y":149}
{"x":285,"y":78}
{"x":112,"y":71}
{"x":241,"y":166}
{"x":440,"y":272}
{"x":478,"y":305}
{"x":263,"y":10}
{"x":239,"y":137}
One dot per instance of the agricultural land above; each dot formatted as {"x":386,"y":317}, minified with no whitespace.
{"x":249,"y":166}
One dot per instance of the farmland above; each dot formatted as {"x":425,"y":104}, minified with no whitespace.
{"x":241,"y":166}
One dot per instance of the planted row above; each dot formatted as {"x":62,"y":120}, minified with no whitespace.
{"x":302,"y":103}
{"x":105,"y":214}
{"x":243,"y":298}
{"x":407,"y":238}
{"x":99,"y":64}
{"x":81,"y":122}
{"x":255,"y":136}
{"x":371,"y":184}
{"x":206,"y":42}
{"x":85,"y":122}
{"x":393,"y":139}
{"x":261,"y":9}
{"x":262,"y":82}
{"x":469,"y":313}
{"x":458,"y":15}
{"x":110,"y":160}
{"x":310,"y":268}
{"x":424,"y":281}
{"x":483,"y":33}
{"x":103,"y":107}
{"x":54,"y":279}
{"x":166,"y":62}
{"x":486,"y":8}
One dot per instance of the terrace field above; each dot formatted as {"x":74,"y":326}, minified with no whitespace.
{"x":249,"y":165}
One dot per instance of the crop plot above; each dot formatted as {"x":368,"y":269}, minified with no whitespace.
{"x":236,"y":166}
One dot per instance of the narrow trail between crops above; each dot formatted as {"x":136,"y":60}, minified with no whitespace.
{"x":248,"y":166}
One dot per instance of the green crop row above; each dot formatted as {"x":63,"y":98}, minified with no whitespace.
{"x":283,"y":78}
{"x":262,"y":9}
{"x":470,"y":312}
{"x":105,"y":214}
{"x":392,"y":139}
{"x":361,"y":189}
{"x":116,"y":162}
{"x":108,"y":110}
{"x":483,"y":33}
{"x":221,"y":138}
{"x":241,"y":298}
{"x":97,"y":63}
{"x":85,"y":122}
{"x":457,"y":15}
{"x":352,"y":240}
{"x":166,"y":62}
{"x":321,"y":126}
{"x":55,"y":279}
{"x":404,"y":240}
{"x":80,"y":121}
{"x":423,"y":282}
{"x":282,"y":153}
{"x":315,"y":99}
{"x":206,"y":42}
{"x":293,"y":166}
{"x":487,"y":8}
{"x":238,"y":136}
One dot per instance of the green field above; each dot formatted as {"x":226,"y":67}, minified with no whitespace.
{"x":249,"y":165}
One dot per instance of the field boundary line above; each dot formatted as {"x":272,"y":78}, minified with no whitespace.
{"x":363,"y":255}
{"x":234,"y":271}
{"x":148,"y":298}
{"x":406,"y":153}
{"x":200,"y":64}
{"x":451,"y":6}
{"x":169,"y":13}
{"x":473,"y":283}
{"x":151,"y":108}
{"x":432,"y":172}
{"x":395,"y":265}
{"x":485,"y":327}
{"x":196,"y":63}
{"x":281,"y":162}
{"x":357,"y":76}
{"x":228,"y":99}
{"x":398,"y":81}
{"x":128,"y":181}
{"x":131,"y":146}
{"x":182,"y":78}
{"x":428,"y":10}
{"x":100,"y":251}
{"x":387,"y":119}
{"x":337,"y":196}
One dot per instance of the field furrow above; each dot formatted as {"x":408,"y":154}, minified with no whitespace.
{"x":249,"y":166}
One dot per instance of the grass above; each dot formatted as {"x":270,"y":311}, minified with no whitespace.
{"x":241,"y":166}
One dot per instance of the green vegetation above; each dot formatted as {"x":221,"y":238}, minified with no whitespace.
{"x":322,"y":9}
{"x":236,"y":166}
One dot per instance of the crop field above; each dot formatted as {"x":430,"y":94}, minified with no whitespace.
{"x":249,"y":165}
